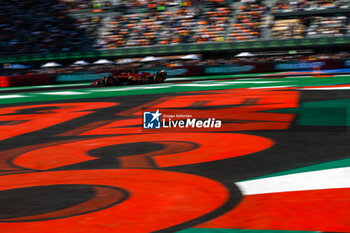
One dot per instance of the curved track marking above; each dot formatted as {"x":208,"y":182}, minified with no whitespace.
{"x":324,"y":179}
{"x":158,"y":200}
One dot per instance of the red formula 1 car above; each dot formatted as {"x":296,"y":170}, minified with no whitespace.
{"x":126,"y":78}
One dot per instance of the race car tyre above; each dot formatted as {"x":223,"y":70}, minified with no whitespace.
{"x":159,"y":79}
{"x":110,"y":81}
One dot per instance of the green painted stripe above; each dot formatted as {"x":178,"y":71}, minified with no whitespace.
{"x":318,"y":167}
{"x":215,"y":230}
{"x":321,"y":113}
{"x":341,"y":103}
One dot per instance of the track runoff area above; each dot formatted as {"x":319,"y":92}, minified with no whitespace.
{"x":262,"y":155}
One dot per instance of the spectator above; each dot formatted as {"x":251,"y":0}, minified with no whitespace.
{"x":51,"y":30}
{"x":324,"y":26}
{"x":288,"y":28}
{"x":43,"y":26}
{"x":302,"y":5}
{"x":249,"y":21}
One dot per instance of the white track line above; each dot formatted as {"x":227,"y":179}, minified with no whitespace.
{"x":315,"y":180}
{"x":11,"y":96}
{"x":268,"y":87}
{"x":115,"y":89}
{"x":154,"y":87}
{"x":246,"y":79}
{"x":62,"y":93}
{"x":202,"y":85}
{"x":129,"y":88}
{"x":325,"y":88}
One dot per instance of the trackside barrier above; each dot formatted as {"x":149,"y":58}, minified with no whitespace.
{"x":30,"y":80}
{"x":4,"y":81}
{"x":79,"y":77}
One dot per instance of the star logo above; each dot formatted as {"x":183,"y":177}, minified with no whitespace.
{"x":156,"y":115}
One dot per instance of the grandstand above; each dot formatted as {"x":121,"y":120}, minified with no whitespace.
{"x":70,"y":29}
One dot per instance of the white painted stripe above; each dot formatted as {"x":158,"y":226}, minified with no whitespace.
{"x":229,"y":82}
{"x":258,"y":82}
{"x":11,"y":96}
{"x":155,"y":87}
{"x":108,"y":89}
{"x":290,"y":77}
{"x":238,"y":82}
{"x":62,"y":93}
{"x":198,"y":78}
{"x":299,"y":77}
{"x":315,"y":180}
{"x":43,"y":86}
{"x":180,"y":79}
{"x":325,"y":88}
{"x":103,"y":89}
{"x":342,"y":75}
{"x":202,"y":85}
{"x":249,"y":81}
{"x":245,"y":79}
{"x":268,"y":87}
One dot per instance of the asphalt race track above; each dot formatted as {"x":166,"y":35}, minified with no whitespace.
{"x":76,"y":159}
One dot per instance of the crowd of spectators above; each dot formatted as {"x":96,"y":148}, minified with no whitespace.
{"x":183,"y":24}
{"x":138,"y":30}
{"x":249,"y":21}
{"x":310,"y":26}
{"x":76,"y":5}
{"x":196,"y":21}
{"x":325,"y":26}
{"x":40,"y":26}
{"x":139,"y":6}
{"x":306,"y":5}
{"x":288,"y":28}
{"x":47,"y":26}
{"x":211,"y":23}
{"x":129,"y":6}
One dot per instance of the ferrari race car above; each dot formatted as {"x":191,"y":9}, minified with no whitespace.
{"x":127,"y":78}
